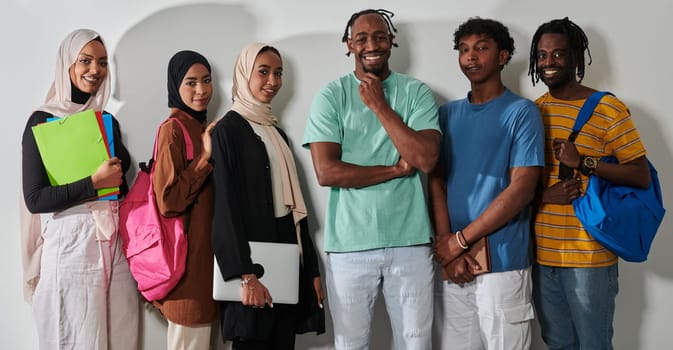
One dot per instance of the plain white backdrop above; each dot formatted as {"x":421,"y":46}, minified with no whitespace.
{"x":629,"y":42}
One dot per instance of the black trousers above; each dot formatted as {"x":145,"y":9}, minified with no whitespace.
{"x":282,"y":335}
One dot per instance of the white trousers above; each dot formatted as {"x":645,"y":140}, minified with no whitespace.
{"x":404,"y":275}
{"x":181,"y":337}
{"x":492,"y":312}
{"x":86,"y":297}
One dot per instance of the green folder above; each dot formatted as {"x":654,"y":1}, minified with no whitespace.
{"x":72,"y":148}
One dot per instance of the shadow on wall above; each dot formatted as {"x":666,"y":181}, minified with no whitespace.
{"x":428,"y":47}
{"x":631,"y":300}
{"x":310,"y":67}
{"x":310,"y":61}
{"x":631,"y":305}
{"x":518,"y":65}
{"x":141,"y":58}
{"x":635,"y":278}
{"x":598,"y":75}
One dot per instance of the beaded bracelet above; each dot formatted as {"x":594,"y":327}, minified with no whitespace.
{"x":462,"y":244}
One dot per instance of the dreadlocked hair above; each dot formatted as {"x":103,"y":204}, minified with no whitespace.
{"x":385,"y":14}
{"x":577,"y":44}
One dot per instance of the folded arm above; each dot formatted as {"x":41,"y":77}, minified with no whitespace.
{"x":418,"y":147}
{"x":332,"y":171}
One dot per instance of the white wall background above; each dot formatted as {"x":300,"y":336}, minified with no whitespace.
{"x":629,"y":40}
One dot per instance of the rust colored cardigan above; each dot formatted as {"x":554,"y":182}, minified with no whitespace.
{"x":181,"y":188}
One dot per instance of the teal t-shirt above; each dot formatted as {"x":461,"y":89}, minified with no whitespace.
{"x":388,"y":214}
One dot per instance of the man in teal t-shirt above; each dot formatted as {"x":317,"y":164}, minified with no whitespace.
{"x":369,"y":132}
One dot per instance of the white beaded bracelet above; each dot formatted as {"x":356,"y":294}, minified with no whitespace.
{"x":461,"y":244}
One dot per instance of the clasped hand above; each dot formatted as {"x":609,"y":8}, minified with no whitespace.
{"x":109,"y":174}
{"x":404,"y":168}
{"x":456,"y":264}
{"x":446,"y":249}
{"x":562,"y":192}
{"x":460,"y":269}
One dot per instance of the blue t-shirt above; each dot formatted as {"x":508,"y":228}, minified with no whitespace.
{"x":388,"y":214}
{"x":480,"y":144}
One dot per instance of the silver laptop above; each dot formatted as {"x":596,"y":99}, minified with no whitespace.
{"x":281,"y":273}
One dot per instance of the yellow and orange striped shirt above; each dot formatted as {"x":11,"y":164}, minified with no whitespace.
{"x":559,"y":236}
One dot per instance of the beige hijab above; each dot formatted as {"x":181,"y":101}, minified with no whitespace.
{"x":260,"y":113}
{"x":59,"y":103}
{"x":59,"y":99}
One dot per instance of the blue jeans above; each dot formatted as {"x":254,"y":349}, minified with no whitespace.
{"x":405,"y":276}
{"x":576,"y":306}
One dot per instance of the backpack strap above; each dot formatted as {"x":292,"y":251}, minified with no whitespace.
{"x":188,"y":140}
{"x":586,"y":111}
{"x":190,"y":156}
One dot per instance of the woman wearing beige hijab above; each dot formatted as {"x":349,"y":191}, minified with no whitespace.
{"x":84,"y":295}
{"x":258,"y":198}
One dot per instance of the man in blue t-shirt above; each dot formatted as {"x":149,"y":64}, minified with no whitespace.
{"x":368,"y":132}
{"x":491,"y":155}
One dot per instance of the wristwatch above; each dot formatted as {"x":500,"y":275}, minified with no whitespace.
{"x":588,"y":165}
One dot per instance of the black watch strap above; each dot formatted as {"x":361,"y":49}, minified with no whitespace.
{"x":587,"y":170}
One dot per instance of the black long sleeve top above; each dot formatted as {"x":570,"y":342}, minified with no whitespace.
{"x":243,"y":212}
{"x":244,"y":200}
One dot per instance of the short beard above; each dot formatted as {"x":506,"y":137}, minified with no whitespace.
{"x":379,"y":71}
{"x":556,"y":83}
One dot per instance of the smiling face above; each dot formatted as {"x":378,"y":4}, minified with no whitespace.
{"x":553,"y":61}
{"x":91,"y":67}
{"x":370,"y":43}
{"x":196,"y":88}
{"x":480,"y":59}
{"x":267,"y":76}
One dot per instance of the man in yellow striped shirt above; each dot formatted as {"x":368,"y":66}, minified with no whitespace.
{"x":575,"y":278}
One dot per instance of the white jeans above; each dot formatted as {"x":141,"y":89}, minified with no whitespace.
{"x":492,"y":312}
{"x":179,"y":337}
{"x":85,"y":298}
{"x":405,"y":276}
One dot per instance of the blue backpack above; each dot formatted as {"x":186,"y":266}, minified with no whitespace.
{"x":623,"y":219}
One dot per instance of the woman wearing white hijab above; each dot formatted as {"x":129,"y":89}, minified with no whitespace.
{"x":84,"y":295}
{"x":258,"y":198}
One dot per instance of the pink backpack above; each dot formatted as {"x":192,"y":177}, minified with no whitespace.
{"x":155,"y":246}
